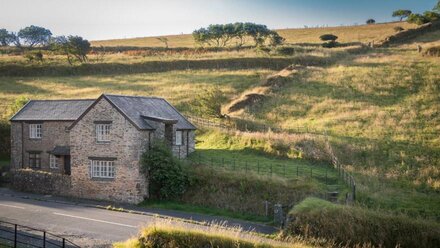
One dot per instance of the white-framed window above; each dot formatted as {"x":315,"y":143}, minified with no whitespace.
{"x":102,"y":169}
{"x":179,"y":139}
{"x":35,"y":131}
{"x":103,"y":132}
{"x":53,"y":161}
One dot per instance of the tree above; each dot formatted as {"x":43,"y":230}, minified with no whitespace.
{"x":165,"y":175}
{"x":431,"y":16}
{"x":328,"y":37}
{"x":34,"y":35}
{"x":437,"y":7}
{"x":6,"y":37}
{"x":72,"y":47}
{"x":371,"y":21}
{"x":164,"y":40}
{"x":417,"y":19}
{"x":275,"y":39}
{"x":402,"y":13}
{"x":209,"y":102}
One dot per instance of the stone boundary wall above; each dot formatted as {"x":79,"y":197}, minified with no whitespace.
{"x":40,"y":182}
{"x":409,"y":34}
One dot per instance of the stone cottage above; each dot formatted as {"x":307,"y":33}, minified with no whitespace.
{"x":97,"y":144}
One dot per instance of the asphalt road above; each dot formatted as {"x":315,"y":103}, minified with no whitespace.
{"x":85,"y":226}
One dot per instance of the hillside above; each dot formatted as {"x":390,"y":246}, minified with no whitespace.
{"x":379,"y":106}
{"x":361,"y":33}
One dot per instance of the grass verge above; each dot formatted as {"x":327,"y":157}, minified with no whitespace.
{"x":347,"y":225}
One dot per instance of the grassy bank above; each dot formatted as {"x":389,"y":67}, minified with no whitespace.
{"x":356,"y":226}
{"x":171,"y":235}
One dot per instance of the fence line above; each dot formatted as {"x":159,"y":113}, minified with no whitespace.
{"x":14,"y":235}
{"x":229,"y":125}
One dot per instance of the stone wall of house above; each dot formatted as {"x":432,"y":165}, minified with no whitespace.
{"x":40,"y":182}
{"x":54,"y":133}
{"x":126,"y":146}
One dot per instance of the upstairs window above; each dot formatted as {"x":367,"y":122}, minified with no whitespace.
{"x":103,"y":132}
{"x":53,"y":163}
{"x":35,"y":131}
{"x":102,"y":169}
{"x":35,"y":160}
{"x":179,"y":140}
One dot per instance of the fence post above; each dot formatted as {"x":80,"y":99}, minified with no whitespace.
{"x":64,"y":242}
{"x":44,"y":239}
{"x":15,"y":236}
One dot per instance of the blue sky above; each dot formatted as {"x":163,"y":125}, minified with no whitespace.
{"x":105,"y":19}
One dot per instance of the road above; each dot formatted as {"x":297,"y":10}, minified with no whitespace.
{"x":86,"y":226}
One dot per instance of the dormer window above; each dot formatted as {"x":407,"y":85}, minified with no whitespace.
{"x":103,"y":132}
{"x":35,"y":131}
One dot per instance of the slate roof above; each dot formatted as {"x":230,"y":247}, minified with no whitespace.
{"x":52,"y":110}
{"x":136,"y":108}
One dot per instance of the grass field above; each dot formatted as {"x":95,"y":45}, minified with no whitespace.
{"x":361,"y":33}
{"x":380,"y":106}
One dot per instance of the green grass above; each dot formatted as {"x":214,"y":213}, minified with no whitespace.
{"x":172,"y":205}
{"x":355,"y":225}
{"x":246,"y":153}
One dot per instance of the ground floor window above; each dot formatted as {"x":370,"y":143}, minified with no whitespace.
{"x":102,"y":169}
{"x":53,"y":161}
{"x":35,"y":160}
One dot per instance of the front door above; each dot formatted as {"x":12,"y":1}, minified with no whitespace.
{"x":67,"y":164}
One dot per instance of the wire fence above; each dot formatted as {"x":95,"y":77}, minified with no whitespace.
{"x":329,"y":176}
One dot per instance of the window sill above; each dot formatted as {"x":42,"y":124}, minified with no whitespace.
{"x":102,"y":142}
{"x":99,"y":179}
{"x":35,"y":138}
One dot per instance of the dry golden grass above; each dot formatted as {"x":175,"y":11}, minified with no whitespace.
{"x":361,"y":33}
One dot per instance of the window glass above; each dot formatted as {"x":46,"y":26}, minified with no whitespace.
{"x":53,"y":163}
{"x":178,"y":138}
{"x":35,"y":131}
{"x":102,"y":169}
{"x":103,"y":132}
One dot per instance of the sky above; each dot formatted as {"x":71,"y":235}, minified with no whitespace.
{"x":110,"y":19}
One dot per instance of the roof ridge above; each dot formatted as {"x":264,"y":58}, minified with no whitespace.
{"x":59,"y":100}
{"x":146,"y":97}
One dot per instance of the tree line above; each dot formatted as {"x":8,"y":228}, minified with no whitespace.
{"x":74,"y":47}
{"x":419,"y":19}
{"x":221,"y":35}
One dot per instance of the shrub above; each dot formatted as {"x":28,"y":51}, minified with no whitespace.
{"x":355,"y":225}
{"x":417,"y":19}
{"x":433,"y":51}
{"x":370,"y":21}
{"x":209,"y":103}
{"x":398,"y":28}
{"x":328,"y":37}
{"x":5,"y":140}
{"x":431,"y":16}
{"x":330,"y":44}
{"x":166,"y":177}
{"x":285,"y":50}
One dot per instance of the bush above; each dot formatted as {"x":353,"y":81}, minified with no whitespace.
{"x":417,"y":19}
{"x":166,"y":177}
{"x":370,"y":21}
{"x":433,"y":51}
{"x":398,"y":29}
{"x":328,"y":37}
{"x":330,"y":44}
{"x":5,"y":139}
{"x":285,"y":50}
{"x":209,"y":103}
{"x":355,"y":225}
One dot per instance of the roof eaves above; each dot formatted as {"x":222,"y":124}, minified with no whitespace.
{"x":178,"y":112}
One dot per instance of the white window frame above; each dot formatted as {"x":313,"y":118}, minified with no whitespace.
{"x":179,"y":138}
{"x":35,"y":131}
{"x":103,"y":132}
{"x":53,"y":161}
{"x":102,"y":169}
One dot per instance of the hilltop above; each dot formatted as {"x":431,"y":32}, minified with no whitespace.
{"x":360,"y":33}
